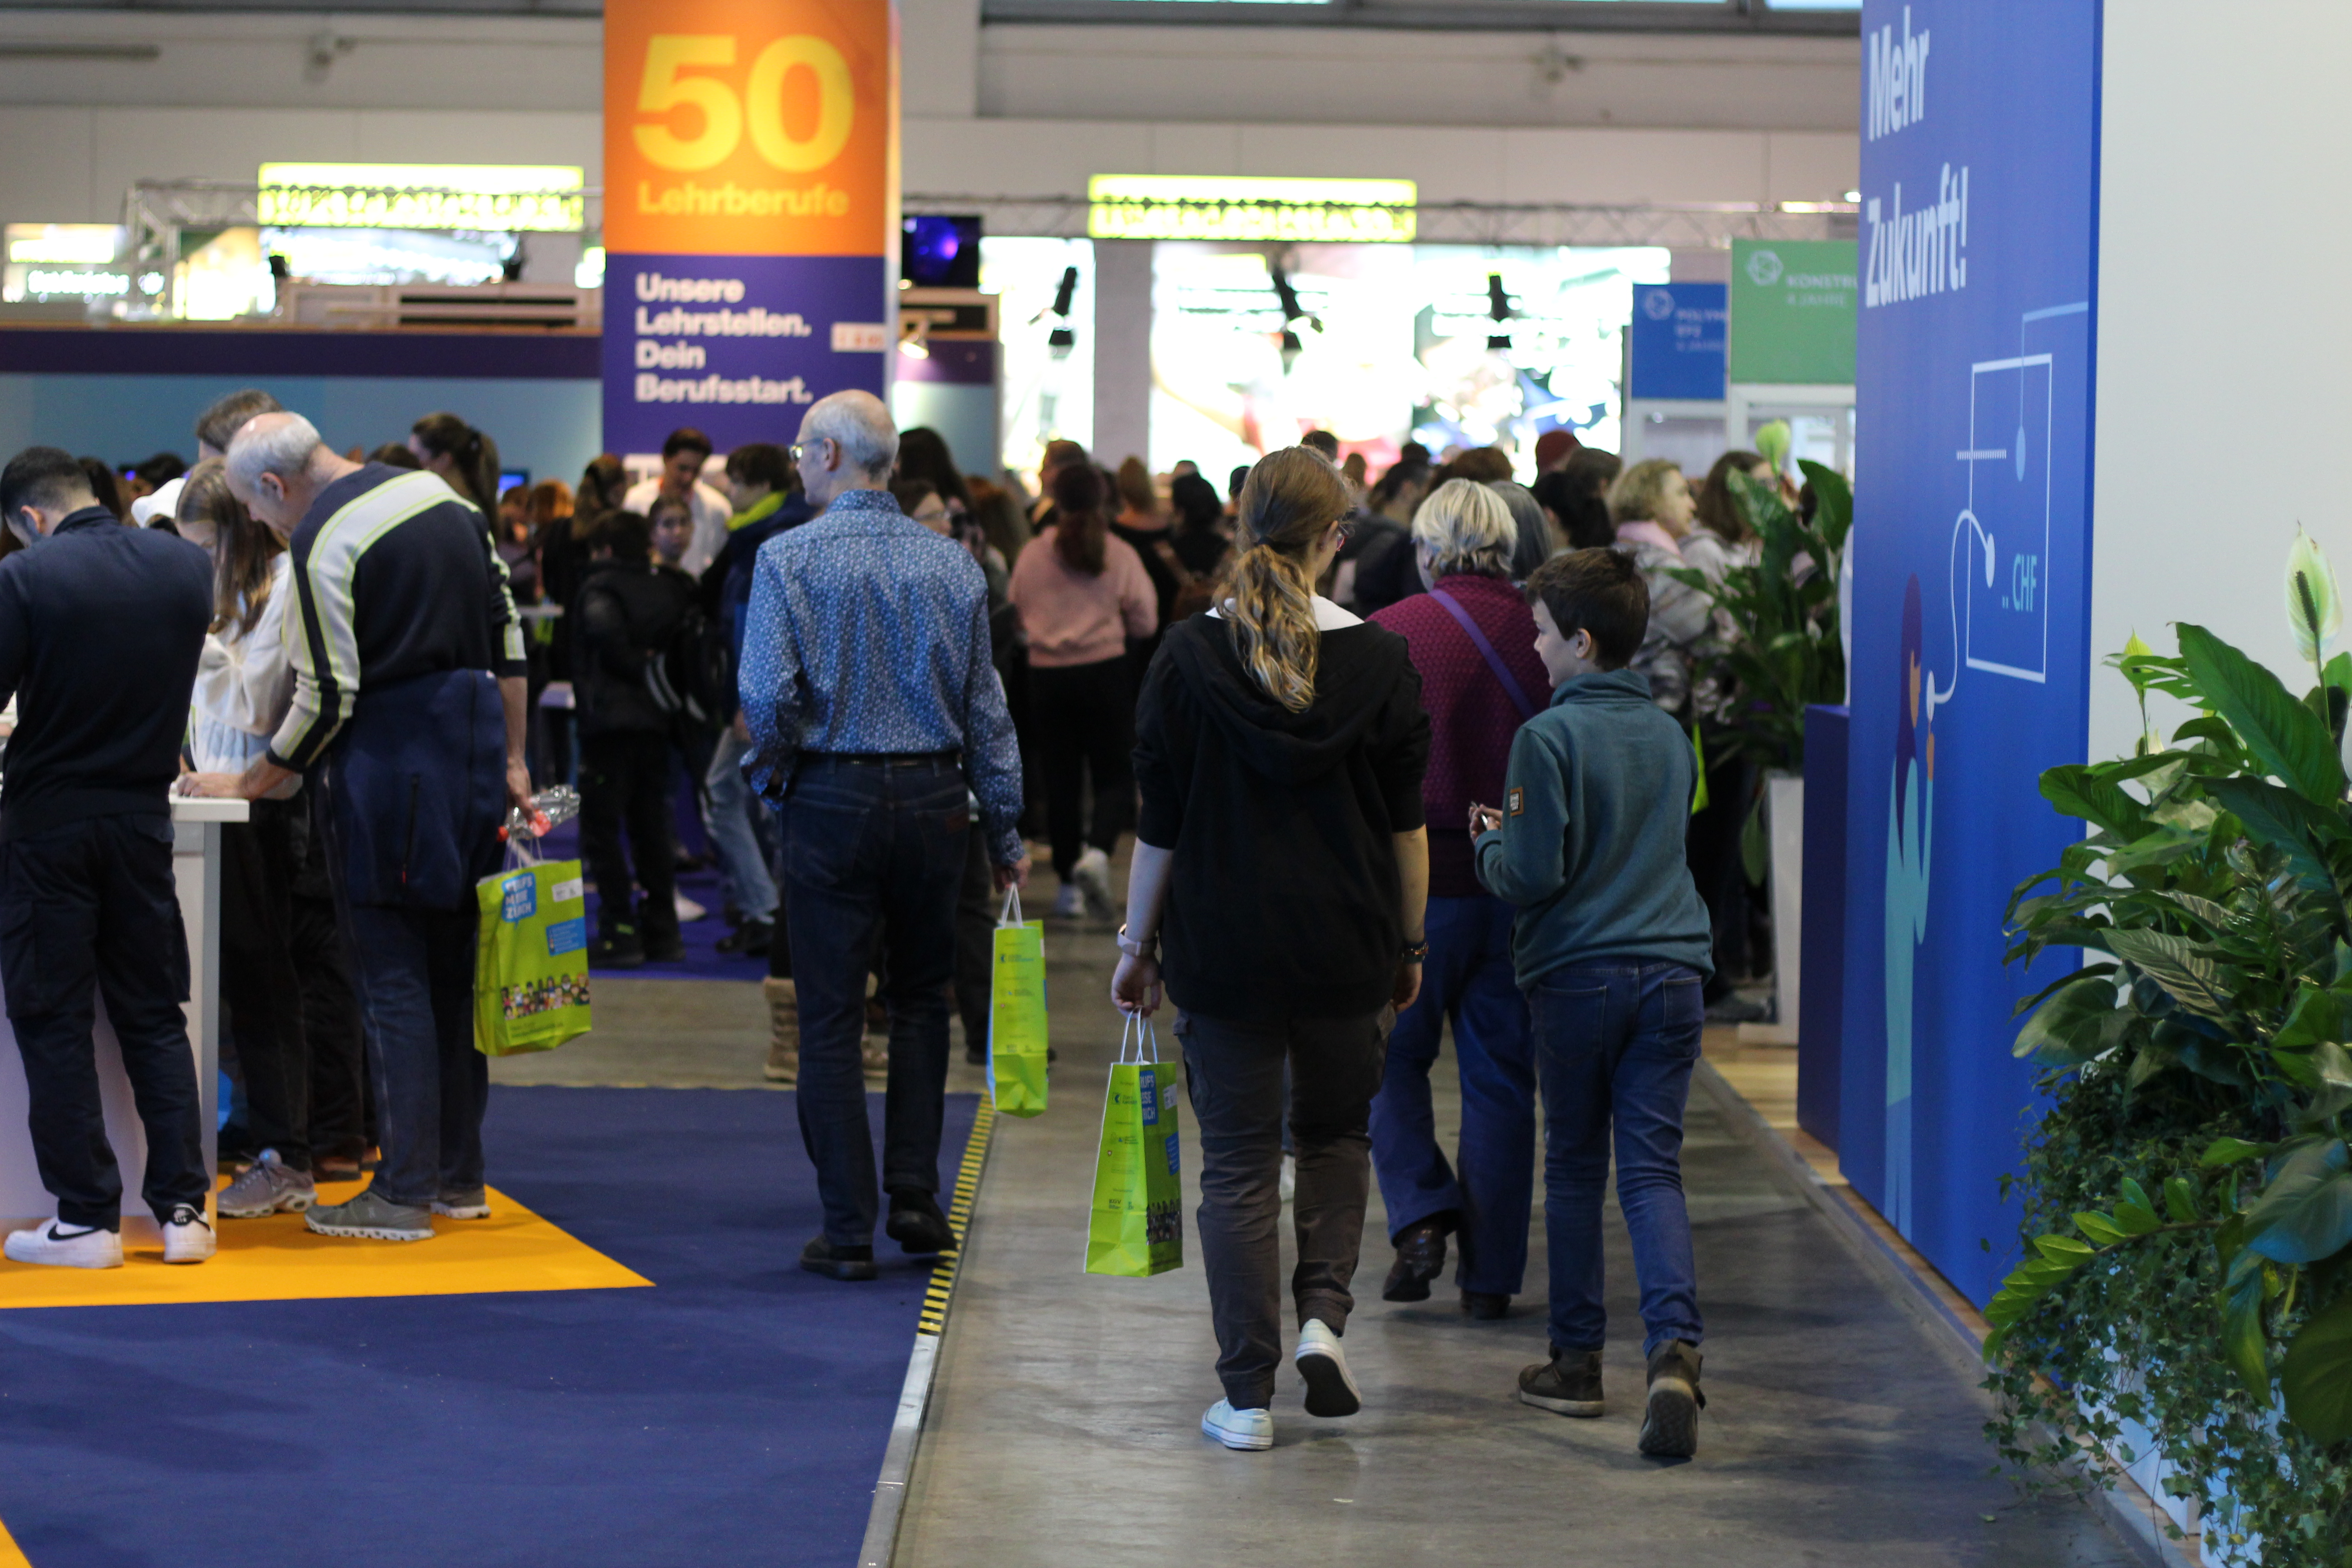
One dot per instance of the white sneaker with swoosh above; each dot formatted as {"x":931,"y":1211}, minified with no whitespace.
{"x":62,"y":1246}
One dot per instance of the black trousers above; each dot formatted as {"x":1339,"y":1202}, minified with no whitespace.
{"x":1084,"y":715}
{"x":89,"y":909}
{"x":342,"y":1111}
{"x":868,"y":846}
{"x":1234,"y":1073}
{"x":258,"y":978}
{"x":626,"y":778}
{"x":975,"y":940}
{"x":1712,"y":847}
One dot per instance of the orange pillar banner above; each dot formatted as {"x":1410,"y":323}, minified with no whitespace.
{"x":750,"y":213}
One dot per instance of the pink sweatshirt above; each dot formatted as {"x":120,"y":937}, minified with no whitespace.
{"x":1071,"y":618}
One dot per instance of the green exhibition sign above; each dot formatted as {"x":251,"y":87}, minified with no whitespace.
{"x":1794,"y":303}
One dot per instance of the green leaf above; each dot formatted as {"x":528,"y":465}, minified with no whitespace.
{"x":2136,"y":1219}
{"x":2282,"y":820}
{"x":2083,"y":792}
{"x":2176,"y":964}
{"x":2331,"y":1090}
{"x":2242,"y":1340}
{"x":2077,"y":1023}
{"x":2063,"y":1250}
{"x":2229,"y":1151}
{"x":2315,"y":1374}
{"x":2317,"y":1015}
{"x":2101,"y":1229}
{"x":2181,"y":1201}
{"x":2306,"y":1212}
{"x":2287,"y":740}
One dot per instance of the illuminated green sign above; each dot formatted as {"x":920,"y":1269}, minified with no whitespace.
{"x":494,"y":197}
{"x":1217,"y":206}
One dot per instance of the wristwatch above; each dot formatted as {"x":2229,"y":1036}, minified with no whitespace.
{"x":1417,"y":951}
{"x":1133,"y":948}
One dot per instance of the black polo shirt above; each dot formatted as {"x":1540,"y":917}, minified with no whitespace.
{"x":101,"y":626}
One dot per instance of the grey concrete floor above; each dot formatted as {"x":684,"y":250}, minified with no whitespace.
{"x":1064,"y":1425}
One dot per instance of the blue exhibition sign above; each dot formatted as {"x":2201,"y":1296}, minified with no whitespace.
{"x":737,"y":346}
{"x":1678,"y":342}
{"x":1971,"y":598}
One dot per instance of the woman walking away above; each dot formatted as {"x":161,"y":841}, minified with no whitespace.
{"x":1281,"y":853}
{"x":1472,"y":639}
{"x":243,"y":686}
{"x":1652,"y":507}
{"x":1083,"y":595}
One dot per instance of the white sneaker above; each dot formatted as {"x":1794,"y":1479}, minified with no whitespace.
{"x":63,"y":1245}
{"x":689,"y":912}
{"x":187,"y":1239}
{"x":1248,"y":1430}
{"x":1288,"y":1181}
{"x":1092,"y":874}
{"x":1329,"y":1390}
{"x":1065,"y":902}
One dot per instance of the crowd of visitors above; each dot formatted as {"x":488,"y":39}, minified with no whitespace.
{"x":1403,"y":756}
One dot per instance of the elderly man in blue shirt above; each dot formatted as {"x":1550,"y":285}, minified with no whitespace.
{"x":875,"y":718}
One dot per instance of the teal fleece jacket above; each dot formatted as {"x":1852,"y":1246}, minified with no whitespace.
{"x":1596,"y":802}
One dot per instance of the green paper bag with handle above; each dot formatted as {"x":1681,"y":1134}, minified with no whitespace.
{"x":1136,"y":1228}
{"x":1016,"y":1012}
{"x":531,"y":964}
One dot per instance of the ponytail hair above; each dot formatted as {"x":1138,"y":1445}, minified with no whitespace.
{"x":473,"y":455}
{"x":1079,"y":522}
{"x":1288,"y":500}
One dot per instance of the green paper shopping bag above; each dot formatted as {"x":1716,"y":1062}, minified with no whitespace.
{"x":530,"y":966}
{"x":1016,"y":1012}
{"x":1137,"y":1225}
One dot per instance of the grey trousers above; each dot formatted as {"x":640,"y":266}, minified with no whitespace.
{"x":1234,"y":1073}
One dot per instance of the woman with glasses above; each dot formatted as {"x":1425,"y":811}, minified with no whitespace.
{"x":1280,"y":872}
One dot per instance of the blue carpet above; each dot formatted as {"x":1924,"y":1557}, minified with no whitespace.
{"x":703,"y":960}
{"x":734,"y":1414}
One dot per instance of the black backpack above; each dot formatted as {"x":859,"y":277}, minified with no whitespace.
{"x":692,"y":678}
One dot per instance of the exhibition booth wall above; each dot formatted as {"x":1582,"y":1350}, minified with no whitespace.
{"x":2042,"y":340}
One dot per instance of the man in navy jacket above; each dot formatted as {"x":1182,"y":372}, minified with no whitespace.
{"x":101,"y":626}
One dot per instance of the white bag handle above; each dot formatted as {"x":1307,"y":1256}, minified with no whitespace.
{"x":1138,"y":1033}
{"x":1010,"y":913}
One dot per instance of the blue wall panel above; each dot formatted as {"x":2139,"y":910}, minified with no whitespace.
{"x":1972,"y":591}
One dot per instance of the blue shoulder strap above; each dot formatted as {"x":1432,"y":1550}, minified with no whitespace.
{"x":1511,"y":686}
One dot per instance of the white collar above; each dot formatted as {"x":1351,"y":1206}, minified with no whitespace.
{"x":1328,"y":617}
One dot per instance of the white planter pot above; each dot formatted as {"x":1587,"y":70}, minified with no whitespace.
{"x":1784,"y":826}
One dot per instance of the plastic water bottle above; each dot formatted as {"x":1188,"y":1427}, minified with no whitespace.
{"x":557,"y":803}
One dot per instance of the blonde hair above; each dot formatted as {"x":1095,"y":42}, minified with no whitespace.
{"x":1635,"y":496}
{"x":1290,"y":498}
{"x":1466,"y":527}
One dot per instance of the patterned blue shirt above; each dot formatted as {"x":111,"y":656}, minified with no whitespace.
{"x":867,"y":632}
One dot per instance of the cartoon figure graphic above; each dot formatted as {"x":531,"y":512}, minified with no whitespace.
{"x":1910,"y":823}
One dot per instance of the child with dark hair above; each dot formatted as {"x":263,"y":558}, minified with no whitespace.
{"x":1611,"y":946}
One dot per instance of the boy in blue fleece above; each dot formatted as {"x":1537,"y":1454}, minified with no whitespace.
{"x":1611,"y":946}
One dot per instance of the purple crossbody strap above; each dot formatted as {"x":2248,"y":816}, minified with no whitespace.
{"x":1511,"y":686}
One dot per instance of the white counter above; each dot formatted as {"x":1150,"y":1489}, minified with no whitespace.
{"x":196,"y":865}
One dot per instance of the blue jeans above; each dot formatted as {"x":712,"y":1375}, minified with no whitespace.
{"x":727,"y":817}
{"x":1468,"y":979}
{"x":413,"y":970}
{"x":870,"y":845}
{"x":1615,"y":1042}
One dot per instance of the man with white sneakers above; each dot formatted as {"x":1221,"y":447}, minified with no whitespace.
{"x":100,"y":627}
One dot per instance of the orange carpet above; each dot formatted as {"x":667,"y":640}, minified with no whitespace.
{"x":277,"y":1259}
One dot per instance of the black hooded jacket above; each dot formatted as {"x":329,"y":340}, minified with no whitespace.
{"x":1283,"y":895}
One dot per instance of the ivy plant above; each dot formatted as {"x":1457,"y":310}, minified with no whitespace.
{"x":2208,"y":1037}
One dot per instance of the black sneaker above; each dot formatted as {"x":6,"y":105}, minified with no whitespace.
{"x":664,"y":947}
{"x":1421,"y":1257}
{"x":1567,"y":1384}
{"x":1485,"y":1306}
{"x":822,"y":1256}
{"x":750,"y":939}
{"x":1670,"y":1426}
{"x":916,"y":1225}
{"x":617,"y":948}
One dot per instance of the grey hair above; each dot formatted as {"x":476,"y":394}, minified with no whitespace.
{"x":1465,"y":527}
{"x":860,"y":424}
{"x":283,"y":446}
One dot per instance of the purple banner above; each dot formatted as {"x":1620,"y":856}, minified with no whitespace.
{"x":737,"y":346}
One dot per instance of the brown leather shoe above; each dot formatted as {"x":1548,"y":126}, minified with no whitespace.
{"x":1421,"y":1257}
